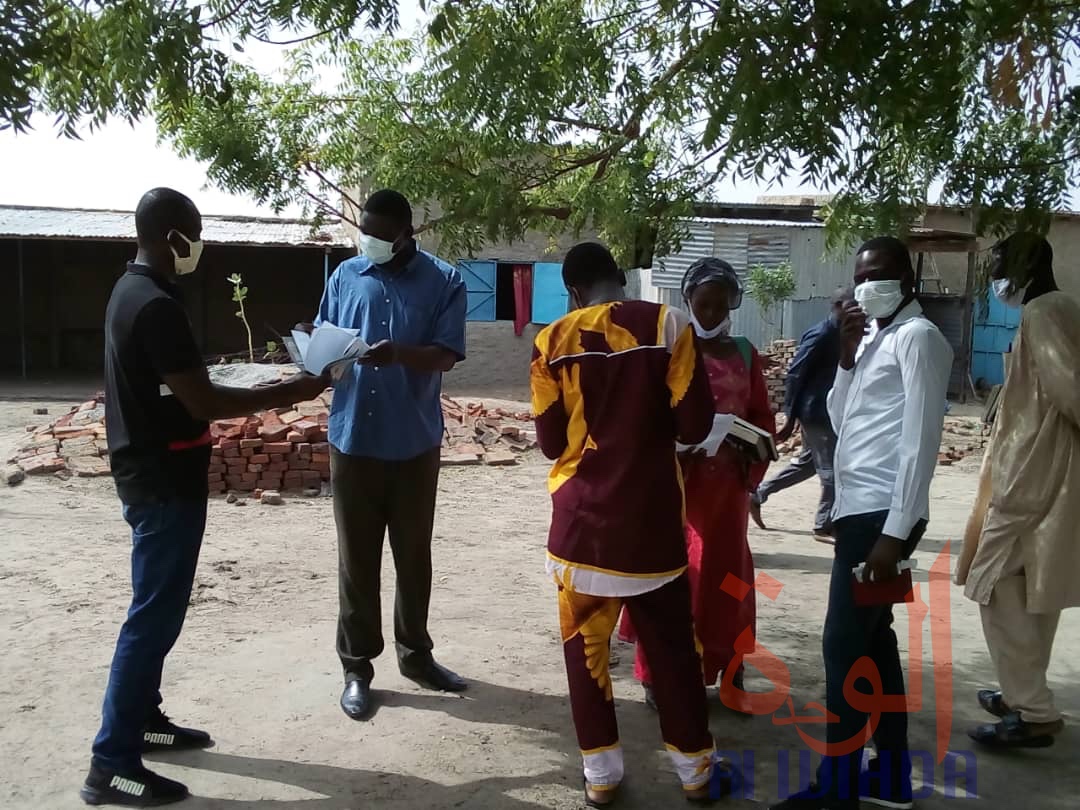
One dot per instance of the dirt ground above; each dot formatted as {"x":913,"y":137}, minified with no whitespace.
{"x":256,"y":663}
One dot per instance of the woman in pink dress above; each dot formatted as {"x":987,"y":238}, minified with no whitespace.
{"x":718,"y":487}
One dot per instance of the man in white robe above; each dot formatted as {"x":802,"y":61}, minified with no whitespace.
{"x":1021,"y":556}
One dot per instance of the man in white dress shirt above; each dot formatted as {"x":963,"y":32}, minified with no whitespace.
{"x":886,"y":407}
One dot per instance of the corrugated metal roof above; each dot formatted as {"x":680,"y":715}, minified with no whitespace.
{"x":26,"y":222}
{"x":768,"y":250}
{"x":729,"y":244}
{"x":758,"y":223}
{"x":668,"y":271}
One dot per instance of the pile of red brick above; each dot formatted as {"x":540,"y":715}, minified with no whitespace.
{"x":781,"y":353}
{"x":74,"y":443}
{"x":962,"y":437}
{"x":284,"y":449}
{"x":477,"y":435}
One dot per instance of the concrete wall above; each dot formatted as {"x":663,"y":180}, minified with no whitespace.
{"x":1064,"y":236}
{"x":534,"y":247}
{"x":497,"y":365}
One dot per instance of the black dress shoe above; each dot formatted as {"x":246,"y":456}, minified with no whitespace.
{"x":356,"y":699}
{"x":431,"y":675}
{"x":162,"y":734}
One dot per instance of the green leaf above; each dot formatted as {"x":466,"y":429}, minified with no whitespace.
{"x":610,"y":117}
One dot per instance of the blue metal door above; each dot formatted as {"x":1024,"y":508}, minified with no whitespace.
{"x":480,"y":282}
{"x":993,"y":332}
{"x":550,"y":299}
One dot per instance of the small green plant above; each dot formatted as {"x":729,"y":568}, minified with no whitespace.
{"x":239,"y":294}
{"x":770,"y":286}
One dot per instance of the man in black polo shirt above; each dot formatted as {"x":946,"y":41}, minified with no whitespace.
{"x":158,"y":403}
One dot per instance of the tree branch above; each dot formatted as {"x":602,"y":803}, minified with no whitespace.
{"x":574,"y":165}
{"x":326,"y":180}
{"x":298,"y":40}
{"x":633,"y":123}
{"x":561,"y":213}
{"x":1021,"y":165}
{"x":224,"y":18}
{"x":576,"y":122}
{"x":320,"y":202}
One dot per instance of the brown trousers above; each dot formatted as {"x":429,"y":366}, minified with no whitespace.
{"x":370,"y":497}
{"x":1020,"y":644}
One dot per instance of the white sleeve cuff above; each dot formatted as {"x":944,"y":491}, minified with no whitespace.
{"x":900,"y":524}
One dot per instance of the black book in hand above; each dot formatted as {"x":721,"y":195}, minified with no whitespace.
{"x":758,"y":444}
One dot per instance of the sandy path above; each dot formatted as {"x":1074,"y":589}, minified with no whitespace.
{"x":256,"y":663}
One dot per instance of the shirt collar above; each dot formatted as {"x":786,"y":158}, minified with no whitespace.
{"x":912,"y":310}
{"x":166,"y":284}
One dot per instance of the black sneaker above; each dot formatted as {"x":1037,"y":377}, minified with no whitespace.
{"x":161,"y":734}
{"x":881,"y":792}
{"x":139,"y":788}
{"x":811,"y":799}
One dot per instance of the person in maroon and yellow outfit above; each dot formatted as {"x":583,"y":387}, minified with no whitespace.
{"x":615,"y":383}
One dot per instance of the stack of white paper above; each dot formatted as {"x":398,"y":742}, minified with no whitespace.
{"x":722,"y":423}
{"x":328,"y":348}
{"x":860,"y":570}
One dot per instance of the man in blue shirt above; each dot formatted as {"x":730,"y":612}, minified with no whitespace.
{"x":806,"y":389}
{"x":386,"y":431}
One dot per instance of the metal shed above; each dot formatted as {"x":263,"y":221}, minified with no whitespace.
{"x":953,"y":314}
{"x":60,"y":265}
{"x":745,"y":243}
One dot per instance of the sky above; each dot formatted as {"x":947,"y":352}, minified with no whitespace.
{"x":109,"y":168}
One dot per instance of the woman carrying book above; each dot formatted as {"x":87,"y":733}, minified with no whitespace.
{"x":718,"y":486}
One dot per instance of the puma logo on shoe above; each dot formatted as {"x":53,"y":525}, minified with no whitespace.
{"x":158,"y":739}
{"x":129,"y":786}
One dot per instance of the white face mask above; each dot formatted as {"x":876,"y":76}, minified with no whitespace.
{"x":186,"y":264}
{"x":379,"y":251}
{"x":879,"y":299}
{"x":722,"y":328}
{"x":1014,"y":300}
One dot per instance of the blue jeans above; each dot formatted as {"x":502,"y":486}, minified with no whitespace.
{"x":852,"y":632}
{"x":165,"y":540}
{"x":819,"y":444}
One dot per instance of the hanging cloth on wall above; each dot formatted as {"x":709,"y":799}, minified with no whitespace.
{"x":523,"y":283}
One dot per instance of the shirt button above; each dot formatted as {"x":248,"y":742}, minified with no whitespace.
{"x":373,"y":390}
{"x":369,"y":413}
{"x":388,"y":300}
